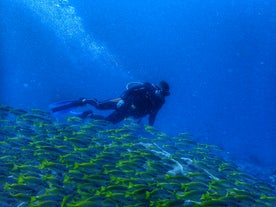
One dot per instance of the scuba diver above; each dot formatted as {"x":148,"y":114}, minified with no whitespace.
{"x":137,"y":101}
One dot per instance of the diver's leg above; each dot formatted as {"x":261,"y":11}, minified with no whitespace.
{"x":93,"y":102}
{"x":104,"y":105}
{"x":91,"y":115}
{"x":116,"y":116}
{"x":86,"y":114}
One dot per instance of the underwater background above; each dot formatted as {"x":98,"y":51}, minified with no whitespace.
{"x":217,"y":56}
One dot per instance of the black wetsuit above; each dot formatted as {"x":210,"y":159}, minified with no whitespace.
{"x":138,"y":101}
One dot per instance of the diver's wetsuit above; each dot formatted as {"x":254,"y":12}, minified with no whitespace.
{"x":138,"y":101}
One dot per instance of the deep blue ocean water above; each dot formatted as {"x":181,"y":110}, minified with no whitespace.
{"x":218,"y":56}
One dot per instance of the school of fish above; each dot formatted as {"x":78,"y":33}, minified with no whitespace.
{"x":93,"y":163}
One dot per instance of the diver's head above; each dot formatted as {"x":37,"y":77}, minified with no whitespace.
{"x":165,"y":88}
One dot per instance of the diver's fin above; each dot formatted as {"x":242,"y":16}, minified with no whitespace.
{"x":65,"y":105}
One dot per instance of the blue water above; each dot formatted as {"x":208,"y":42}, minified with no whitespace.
{"x":218,"y":56}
